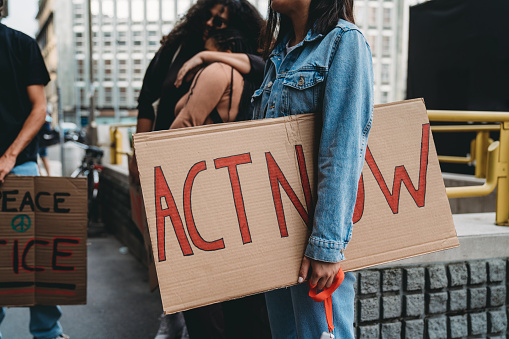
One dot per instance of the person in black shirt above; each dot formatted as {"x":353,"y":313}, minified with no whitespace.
{"x":182,"y":43}
{"x":23,"y":76}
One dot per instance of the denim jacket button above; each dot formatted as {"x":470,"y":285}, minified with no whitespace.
{"x":269,"y":85}
{"x":301,"y":81}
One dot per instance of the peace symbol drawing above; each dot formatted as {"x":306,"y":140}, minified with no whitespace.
{"x":21,"y":223}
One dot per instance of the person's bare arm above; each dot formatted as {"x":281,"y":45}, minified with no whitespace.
{"x":239,"y":61}
{"x":143,"y":125}
{"x":29,"y":130}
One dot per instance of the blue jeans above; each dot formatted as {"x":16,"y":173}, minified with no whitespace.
{"x":293,"y":314}
{"x":44,"y":322}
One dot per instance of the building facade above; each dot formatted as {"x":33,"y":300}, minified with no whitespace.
{"x":384,"y":23}
{"x":127,"y":33}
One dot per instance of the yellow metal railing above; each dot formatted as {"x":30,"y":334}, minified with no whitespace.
{"x":495,"y":155}
{"x":116,"y":149}
{"x":478,"y":146}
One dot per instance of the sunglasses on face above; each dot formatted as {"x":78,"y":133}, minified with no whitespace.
{"x":218,"y":21}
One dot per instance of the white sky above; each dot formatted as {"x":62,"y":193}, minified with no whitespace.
{"x":22,"y":16}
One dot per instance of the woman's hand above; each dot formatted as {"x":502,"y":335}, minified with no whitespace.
{"x":322,"y":273}
{"x":189,"y":68}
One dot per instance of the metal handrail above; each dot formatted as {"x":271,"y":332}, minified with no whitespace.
{"x":494,"y":154}
{"x":116,"y":150}
{"x":478,"y":146}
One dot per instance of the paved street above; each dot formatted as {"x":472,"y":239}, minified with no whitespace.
{"x":119,"y":305}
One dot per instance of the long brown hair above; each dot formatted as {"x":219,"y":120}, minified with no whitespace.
{"x":322,"y":18}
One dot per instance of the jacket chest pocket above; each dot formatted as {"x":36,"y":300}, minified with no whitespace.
{"x":302,"y":91}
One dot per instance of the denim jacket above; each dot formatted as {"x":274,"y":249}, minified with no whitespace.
{"x":330,"y":75}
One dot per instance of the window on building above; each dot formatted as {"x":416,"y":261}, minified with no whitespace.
{"x":123,"y":96}
{"x":136,"y":93}
{"x":359,"y":15}
{"x":372,"y":16}
{"x":138,"y":10}
{"x":121,"y":38}
{"x":122,"y":74}
{"x":107,"y":8}
{"x":168,"y":12}
{"x":81,"y":70}
{"x":385,"y":97}
{"x":385,"y":73}
{"x":122,"y":10}
{"x":82,"y":97}
{"x":108,"y":96}
{"x":387,"y":17}
{"x":386,"y":45}
{"x":372,"y":43}
{"x":152,"y":11}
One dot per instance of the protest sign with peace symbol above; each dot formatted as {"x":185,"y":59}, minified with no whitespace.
{"x":21,"y":223}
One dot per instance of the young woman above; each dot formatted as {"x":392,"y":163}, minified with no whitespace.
{"x":183,"y":42}
{"x":319,"y":62}
{"x":218,"y":92}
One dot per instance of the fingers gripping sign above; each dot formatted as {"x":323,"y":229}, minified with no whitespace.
{"x":6,"y":165}
{"x":319,"y":273}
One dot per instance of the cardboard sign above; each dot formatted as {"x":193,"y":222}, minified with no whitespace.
{"x":43,"y":241}
{"x":140,"y":220}
{"x":227,"y":204}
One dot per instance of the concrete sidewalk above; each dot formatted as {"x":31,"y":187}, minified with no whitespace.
{"x":119,"y":304}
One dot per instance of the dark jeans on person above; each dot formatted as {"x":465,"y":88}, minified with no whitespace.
{"x":241,"y":318}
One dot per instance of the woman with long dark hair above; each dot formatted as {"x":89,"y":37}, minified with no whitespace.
{"x":319,"y":62}
{"x":219,"y":93}
{"x":183,"y":42}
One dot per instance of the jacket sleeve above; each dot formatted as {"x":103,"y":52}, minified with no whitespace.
{"x":152,"y":85}
{"x":347,"y":115}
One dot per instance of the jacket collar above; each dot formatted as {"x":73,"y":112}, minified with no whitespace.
{"x":310,"y":36}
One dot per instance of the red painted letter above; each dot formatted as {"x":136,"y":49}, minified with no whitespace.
{"x":163,"y":191}
{"x":277,"y":178}
{"x":401,"y":175}
{"x":232,"y":162}
{"x":359,"y":203}
{"x":198,"y":241}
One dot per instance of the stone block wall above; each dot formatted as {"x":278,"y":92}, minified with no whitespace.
{"x":116,"y":211}
{"x":447,"y":300}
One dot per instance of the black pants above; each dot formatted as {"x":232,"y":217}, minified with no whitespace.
{"x":240,"y":318}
